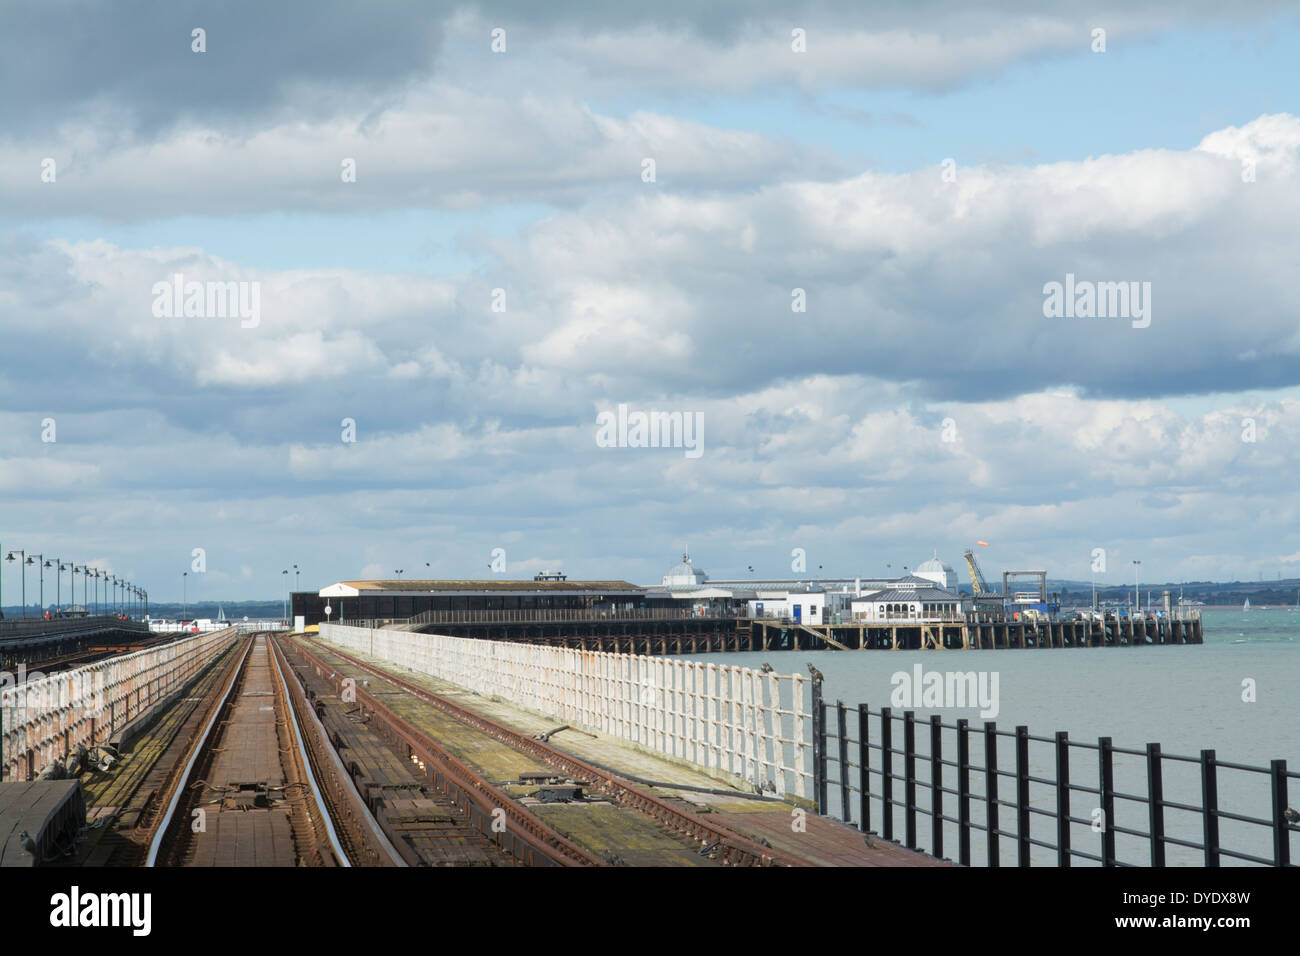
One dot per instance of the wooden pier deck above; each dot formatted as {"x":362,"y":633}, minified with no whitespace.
{"x":712,"y":634}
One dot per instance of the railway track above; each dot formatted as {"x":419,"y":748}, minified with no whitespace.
{"x":124,"y":800}
{"x":427,"y":819}
{"x":721,"y":844}
{"x":248,"y":794}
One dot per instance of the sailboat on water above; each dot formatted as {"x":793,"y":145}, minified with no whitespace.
{"x":1246,"y":607}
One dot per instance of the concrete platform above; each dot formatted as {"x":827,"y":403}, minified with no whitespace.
{"x":39,"y":821}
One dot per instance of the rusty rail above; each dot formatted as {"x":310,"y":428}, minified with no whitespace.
{"x":538,"y":843}
{"x":731,"y":847}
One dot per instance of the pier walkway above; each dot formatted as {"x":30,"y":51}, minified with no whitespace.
{"x":681,"y":632}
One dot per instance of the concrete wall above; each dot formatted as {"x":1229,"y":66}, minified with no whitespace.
{"x":43,"y":720}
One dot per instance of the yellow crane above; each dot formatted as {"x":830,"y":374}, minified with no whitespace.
{"x":977,"y":585}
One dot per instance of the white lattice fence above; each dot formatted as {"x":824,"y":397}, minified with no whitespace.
{"x":734,"y":720}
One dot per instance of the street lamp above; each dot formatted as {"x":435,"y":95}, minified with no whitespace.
{"x":185,"y":594}
{"x":1137,"y":598}
{"x":296,"y":585}
{"x":59,"y":568}
{"x":285,"y":572}
{"x":40,"y":570}
{"x":22,"y":564}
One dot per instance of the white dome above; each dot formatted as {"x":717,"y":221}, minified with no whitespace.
{"x":684,"y":574}
{"x":935,"y":570}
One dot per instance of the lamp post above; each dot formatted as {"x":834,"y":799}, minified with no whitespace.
{"x":59,"y":568}
{"x":185,"y":594}
{"x":40,"y":571}
{"x":296,"y":585}
{"x":22,"y":564}
{"x":285,"y":572}
{"x":1137,"y":597}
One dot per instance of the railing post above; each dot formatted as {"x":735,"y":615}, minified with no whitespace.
{"x":1022,"y":795}
{"x":936,"y":785}
{"x":963,"y":792}
{"x":819,"y":746}
{"x":909,"y":779}
{"x":1210,"y":806}
{"x":991,"y":790}
{"x":1281,"y":835}
{"x":1156,"y":804}
{"x":887,"y":772}
{"x":841,"y":722}
{"x":864,"y":769}
{"x":1106,"y":783}
{"x":1062,"y":798}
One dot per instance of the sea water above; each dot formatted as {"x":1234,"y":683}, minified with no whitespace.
{"x":1237,"y":694}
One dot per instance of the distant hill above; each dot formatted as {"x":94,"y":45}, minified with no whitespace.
{"x":1208,"y":592}
{"x":254,"y":610}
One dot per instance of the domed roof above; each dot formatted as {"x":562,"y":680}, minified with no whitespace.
{"x":933,"y":564}
{"x":685,"y":573}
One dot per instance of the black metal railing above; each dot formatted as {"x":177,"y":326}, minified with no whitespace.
{"x":21,"y":629}
{"x":879,"y":779}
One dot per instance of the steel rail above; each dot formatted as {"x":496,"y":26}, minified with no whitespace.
{"x":297,"y":732}
{"x":347,"y":788}
{"x":732,"y":847}
{"x":470,"y":790}
{"x":165,"y":824}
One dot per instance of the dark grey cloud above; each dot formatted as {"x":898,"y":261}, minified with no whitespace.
{"x":132,"y":61}
{"x":129,"y":66}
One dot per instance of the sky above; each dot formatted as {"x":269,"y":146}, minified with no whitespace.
{"x":825,"y":234}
